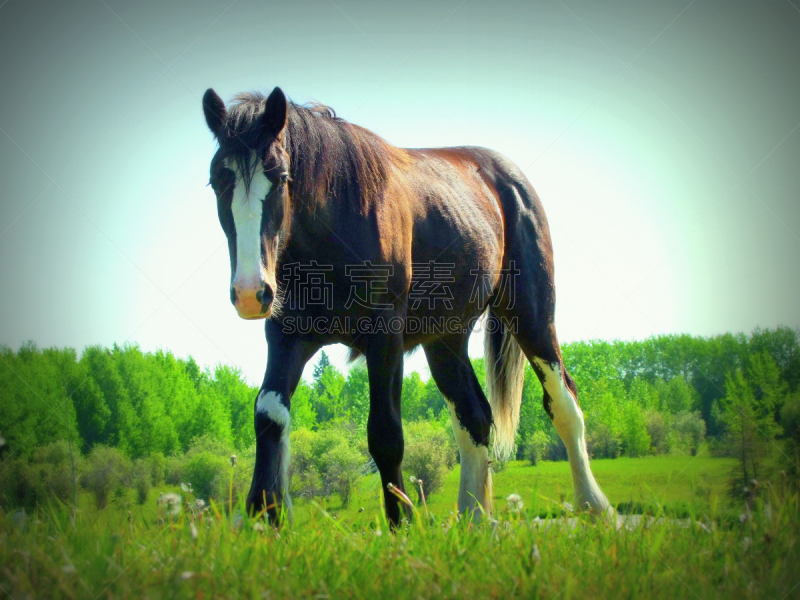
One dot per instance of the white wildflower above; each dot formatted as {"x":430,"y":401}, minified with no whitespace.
{"x":515,"y":503}
{"x":171,"y":503}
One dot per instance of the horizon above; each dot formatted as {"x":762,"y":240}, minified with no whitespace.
{"x":662,"y":139}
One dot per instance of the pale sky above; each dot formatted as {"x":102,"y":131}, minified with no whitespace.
{"x":662,"y":138}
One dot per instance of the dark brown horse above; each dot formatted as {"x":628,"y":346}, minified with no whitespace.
{"x":337,"y":236}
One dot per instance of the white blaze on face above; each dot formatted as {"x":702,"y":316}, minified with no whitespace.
{"x":247,"y":208}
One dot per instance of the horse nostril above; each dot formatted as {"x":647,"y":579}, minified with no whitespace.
{"x":265,"y":296}
{"x":233,"y":295}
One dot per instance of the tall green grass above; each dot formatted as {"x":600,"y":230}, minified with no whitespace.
{"x":637,"y":485}
{"x":53,"y":555}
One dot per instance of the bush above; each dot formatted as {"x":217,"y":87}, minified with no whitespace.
{"x":105,"y":470}
{"x":240,"y":478}
{"x":141,"y":478}
{"x":535,"y":447}
{"x":337,"y":460}
{"x":790,"y":421}
{"x":325,"y":462}
{"x":208,"y":473}
{"x":658,"y":430}
{"x":303,"y":474}
{"x":157,"y":466}
{"x":690,"y":429}
{"x":603,"y":442}
{"x":54,"y":466}
{"x":20,"y":484}
{"x":342,"y":466}
{"x":429,"y":453}
{"x":208,"y":467}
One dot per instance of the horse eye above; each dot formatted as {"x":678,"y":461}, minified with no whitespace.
{"x":283,"y":177}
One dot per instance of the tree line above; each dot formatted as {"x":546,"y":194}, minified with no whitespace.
{"x":738,"y":394}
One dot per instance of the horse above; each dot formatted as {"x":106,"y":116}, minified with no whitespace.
{"x":337,"y":236}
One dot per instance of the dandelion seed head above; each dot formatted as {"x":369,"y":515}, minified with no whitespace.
{"x":515,"y":503}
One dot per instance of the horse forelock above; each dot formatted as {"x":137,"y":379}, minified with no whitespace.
{"x":242,"y":135}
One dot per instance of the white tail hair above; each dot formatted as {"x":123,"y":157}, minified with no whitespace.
{"x":505,"y":373}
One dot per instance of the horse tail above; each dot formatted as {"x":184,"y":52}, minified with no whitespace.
{"x":505,"y":373}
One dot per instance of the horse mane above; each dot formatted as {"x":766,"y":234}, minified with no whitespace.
{"x":331,"y":159}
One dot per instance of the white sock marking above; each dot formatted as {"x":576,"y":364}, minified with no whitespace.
{"x":475,"y":479}
{"x":271,"y":405}
{"x":568,"y":421}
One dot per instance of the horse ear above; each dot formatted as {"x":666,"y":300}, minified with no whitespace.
{"x":276,"y":112}
{"x":214,"y":109}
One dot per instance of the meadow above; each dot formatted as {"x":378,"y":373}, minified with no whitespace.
{"x":140,"y":551}
{"x":679,"y":428}
{"x":673,"y":484}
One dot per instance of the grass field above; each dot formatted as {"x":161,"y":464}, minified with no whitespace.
{"x":676,"y":483}
{"x":115,"y":553}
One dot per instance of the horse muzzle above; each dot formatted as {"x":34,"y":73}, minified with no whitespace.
{"x":253,"y":302}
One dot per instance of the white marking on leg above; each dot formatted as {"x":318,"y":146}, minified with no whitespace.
{"x":476,"y":482}
{"x":271,"y":405}
{"x":568,"y":421}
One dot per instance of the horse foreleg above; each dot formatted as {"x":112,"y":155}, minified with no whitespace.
{"x":269,"y":490}
{"x":384,"y":356}
{"x":471,"y":417}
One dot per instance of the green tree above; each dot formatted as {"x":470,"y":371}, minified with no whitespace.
{"x":302,"y":411}
{"x":635,"y":438}
{"x":229,"y":388}
{"x":412,"y":401}
{"x":749,"y":420}
{"x":355,"y":395}
{"x":328,"y":383}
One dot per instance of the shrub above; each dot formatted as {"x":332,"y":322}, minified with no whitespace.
{"x":240,"y":478}
{"x":342,"y":465}
{"x":690,"y":429}
{"x":337,"y":460}
{"x":429,"y":451}
{"x":303,"y":473}
{"x":603,"y":442}
{"x":54,"y":467}
{"x":141,"y":478}
{"x":208,"y":473}
{"x":157,"y":466}
{"x":325,"y":462}
{"x":658,"y":430}
{"x":535,"y":446}
{"x":104,"y":471}
{"x":790,"y":421}
{"x":20,"y":484}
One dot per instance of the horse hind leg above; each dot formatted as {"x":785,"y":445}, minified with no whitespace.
{"x":471,"y":418}
{"x":561,"y":404}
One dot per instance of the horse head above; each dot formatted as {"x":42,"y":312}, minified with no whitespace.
{"x":250,"y":176}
